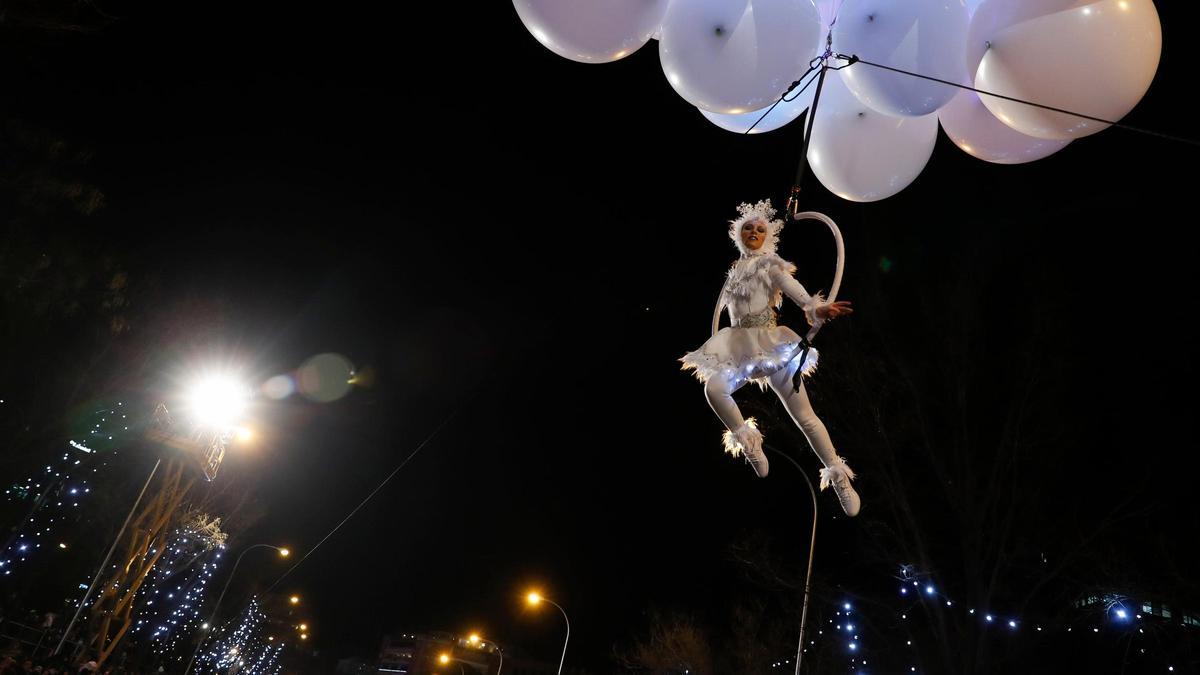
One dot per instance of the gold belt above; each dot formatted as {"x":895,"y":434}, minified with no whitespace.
{"x":764,"y":319}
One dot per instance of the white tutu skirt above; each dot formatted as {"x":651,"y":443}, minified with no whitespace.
{"x":739,"y":354}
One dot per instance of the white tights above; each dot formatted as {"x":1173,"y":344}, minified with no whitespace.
{"x":719,"y":392}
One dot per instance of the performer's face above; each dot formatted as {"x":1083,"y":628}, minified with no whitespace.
{"x":754,"y":234}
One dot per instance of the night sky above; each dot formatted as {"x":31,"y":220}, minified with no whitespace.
{"x":523,"y":246}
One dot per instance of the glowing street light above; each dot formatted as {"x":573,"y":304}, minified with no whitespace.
{"x":295,"y":599}
{"x":213,"y":405}
{"x":445,"y":659}
{"x":216,"y":401}
{"x":534,"y":599}
{"x":478,"y":642}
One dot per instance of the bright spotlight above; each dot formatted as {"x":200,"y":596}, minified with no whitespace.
{"x":216,"y":402}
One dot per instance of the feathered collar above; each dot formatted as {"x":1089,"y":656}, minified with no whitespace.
{"x":752,"y":272}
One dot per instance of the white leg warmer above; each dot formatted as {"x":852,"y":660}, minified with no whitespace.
{"x":741,"y":433}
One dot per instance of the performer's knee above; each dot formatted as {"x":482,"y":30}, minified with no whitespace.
{"x":808,"y":421}
{"x":717,"y":387}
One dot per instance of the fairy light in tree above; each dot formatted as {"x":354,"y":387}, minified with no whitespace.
{"x":243,"y":645}
{"x":54,"y":493}
{"x":1110,"y":609}
{"x":172,"y":599}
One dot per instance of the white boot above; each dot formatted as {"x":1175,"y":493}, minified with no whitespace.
{"x":746,"y":441}
{"x":839,"y":476}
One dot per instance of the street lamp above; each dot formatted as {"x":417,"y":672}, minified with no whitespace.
{"x":534,"y":599}
{"x":475,"y":640}
{"x":445,"y":659}
{"x":212,"y":406}
{"x":212,"y":620}
{"x":216,"y":401}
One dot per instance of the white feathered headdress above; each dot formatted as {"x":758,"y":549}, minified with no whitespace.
{"x":759,"y":212}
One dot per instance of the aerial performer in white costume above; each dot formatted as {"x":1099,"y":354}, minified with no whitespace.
{"x":756,"y":348}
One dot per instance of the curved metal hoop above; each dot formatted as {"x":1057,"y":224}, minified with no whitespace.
{"x":841,"y":258}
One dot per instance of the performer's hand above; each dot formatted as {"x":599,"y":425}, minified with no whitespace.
{"x":833,"y":310}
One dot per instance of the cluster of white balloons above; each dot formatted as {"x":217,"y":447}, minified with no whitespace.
{"x":875,"y":129}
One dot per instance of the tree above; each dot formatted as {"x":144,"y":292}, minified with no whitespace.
{"x":674,"y":645}
{"x":959,"y":434}
{"x":145,"y":541}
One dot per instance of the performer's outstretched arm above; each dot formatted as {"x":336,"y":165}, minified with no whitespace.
{"x":816,"y":310}
{"x":783,"y":280}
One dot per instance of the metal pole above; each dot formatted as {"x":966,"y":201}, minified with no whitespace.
{"x":108,"y":557}
{"x":498,"y":651}
{"x":212,"y":619}
{"x":564,"y":653}
{"x":812,"y":546}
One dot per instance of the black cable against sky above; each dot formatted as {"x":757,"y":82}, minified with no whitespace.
{"x":379,"y":487}
{"x":855,"y":59}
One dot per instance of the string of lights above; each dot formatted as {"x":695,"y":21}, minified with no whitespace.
{"x":919,"y":593}
{"x":244,"y":646}
{"x":171,"y":601}
{"x":55,"y":493}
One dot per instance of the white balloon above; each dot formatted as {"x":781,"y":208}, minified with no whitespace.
{"x":592,"y":31}
{"x":828,"y":10}
{"x":734,"y":56}
{"x":919,"y":36}
{"x":974,"y":129}
{"x":863,"y":155}
{"x":993,"y":16}
{"x":971,"y":5}
{"x":780,"y":116}
{"x":1097,"y":58}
